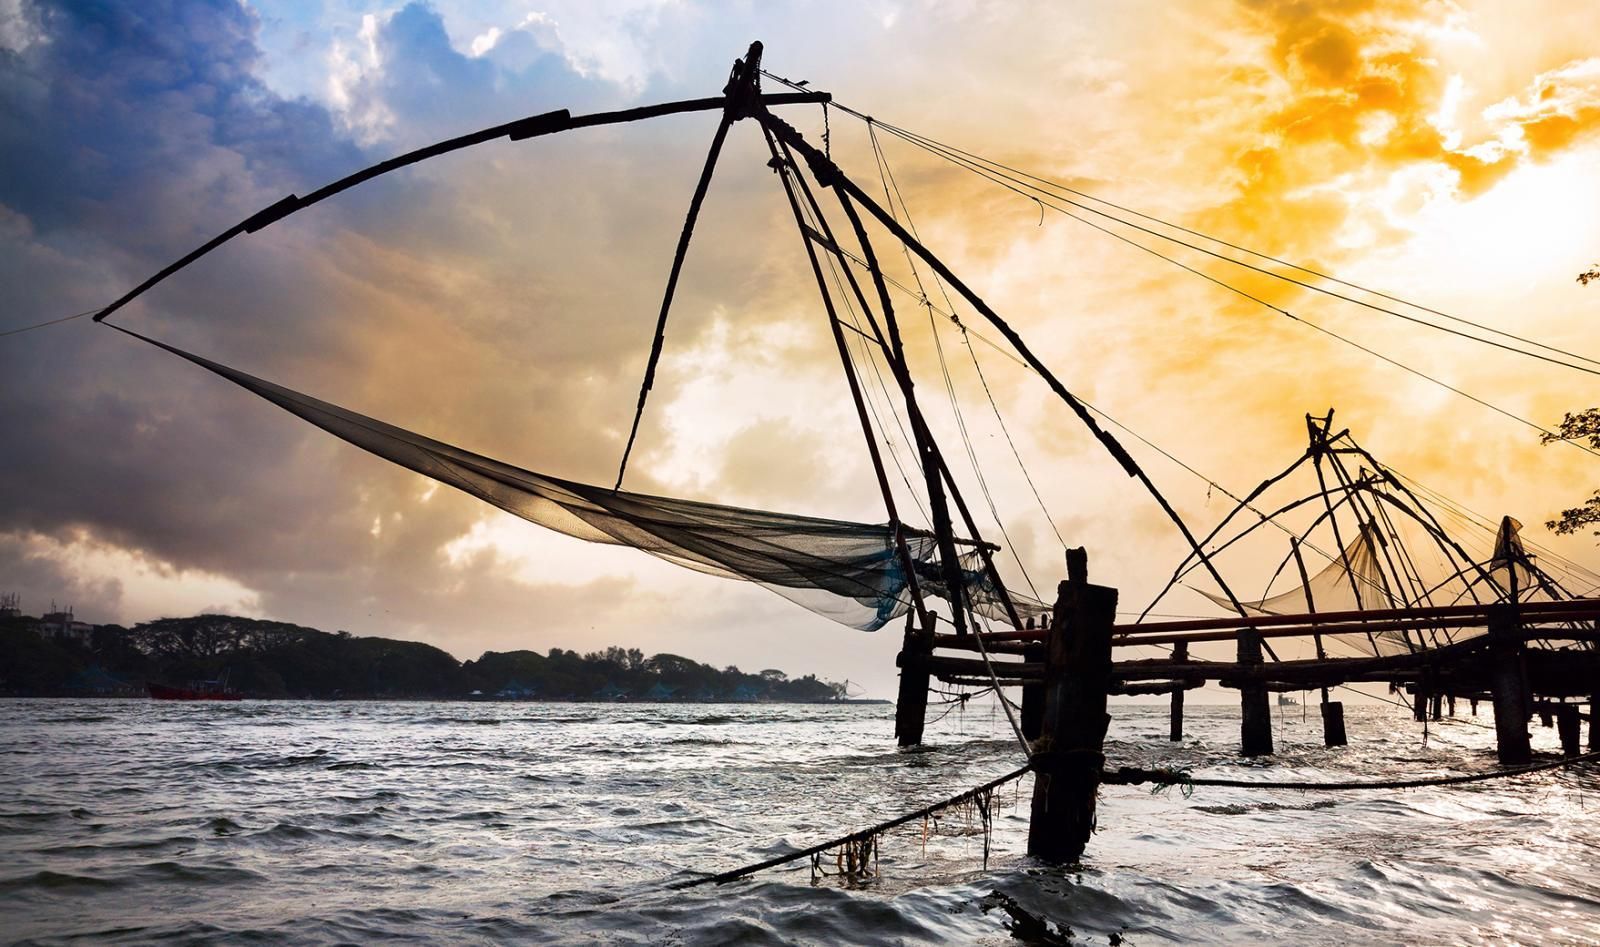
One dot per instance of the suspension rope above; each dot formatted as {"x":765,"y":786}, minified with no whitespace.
{"x":1009,"y":178}
{"x":1002,"y":179}
{"x":887,"y":179}
{"x":47,"y":323}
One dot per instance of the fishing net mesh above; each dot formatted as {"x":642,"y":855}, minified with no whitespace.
{"x":848,"y":572}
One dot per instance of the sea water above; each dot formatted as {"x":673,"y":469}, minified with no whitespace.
{"x":358,"y":822}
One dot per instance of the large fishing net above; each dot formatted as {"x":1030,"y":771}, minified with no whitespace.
{"x":1356,"y":581}
{"x":849,"y":572}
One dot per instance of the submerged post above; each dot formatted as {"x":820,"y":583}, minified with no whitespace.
{"x":1255,"y":724}
{"x":1069,"y":754}
{"x":1509,"y":682}
{"x":1180,"y":653}
{"x":1569,"y":725}
{"x":911,"y":703}
{"x":1333,"y":724}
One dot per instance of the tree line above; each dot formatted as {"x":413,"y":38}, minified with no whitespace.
{"x":269,"y":659}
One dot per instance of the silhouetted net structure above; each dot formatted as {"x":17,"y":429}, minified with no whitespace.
{"x":849,"y":572}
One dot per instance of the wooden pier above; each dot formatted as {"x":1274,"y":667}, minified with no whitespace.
{"x":1529,"y":656}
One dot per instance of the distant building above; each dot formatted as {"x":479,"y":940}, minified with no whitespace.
{"x":611,"y":692}
{"x":63,"y":627}
{"x":10,"y":605}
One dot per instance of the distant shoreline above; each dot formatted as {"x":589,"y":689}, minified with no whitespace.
{"x":855,"y":701}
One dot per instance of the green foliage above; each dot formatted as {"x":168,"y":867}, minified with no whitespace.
{"x":1583,"y":426}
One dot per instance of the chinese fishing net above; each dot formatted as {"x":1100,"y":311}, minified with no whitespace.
{"x":848,"y":572}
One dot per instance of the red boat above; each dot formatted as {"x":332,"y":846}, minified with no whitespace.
{"x":197,"y":690}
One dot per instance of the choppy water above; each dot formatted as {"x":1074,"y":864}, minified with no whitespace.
{"x":134,"y":821}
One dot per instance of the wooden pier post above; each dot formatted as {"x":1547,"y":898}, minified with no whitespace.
{"x":1509,"y":682}
{"x":1569,"y":726}
{"x":1594,"y":720}
{"x":1180,"y":653}
{"x":1452,"y":700}
{"x":1419,"y":701}
{"x":1069,"y":754}
{"x":1033,"y":694}
{"x":1333,"y":724}
{"x":1255,"y":724}
{"x":1437,"y":704}
{"x":911,"y":704}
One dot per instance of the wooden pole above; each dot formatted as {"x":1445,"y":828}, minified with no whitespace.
{"x":907,"y":562}
{"x":1333,"y":723}
{"x":1594,"y":719}
{"x":1569,"y":725}
{"x":1180,"y":653}
{"x":1509,"y":682}
{"x":911,"y":703}
{"x":1332,"y":710}
{"x":1069,"y":754}
{"x":1033,"y":693}
{"x":1255,"y":724}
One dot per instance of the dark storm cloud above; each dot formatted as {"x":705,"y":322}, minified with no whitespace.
{"x":131,"y":133}
{"x":464,"y":299}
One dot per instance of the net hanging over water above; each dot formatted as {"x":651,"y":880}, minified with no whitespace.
{"x":848,"y":572}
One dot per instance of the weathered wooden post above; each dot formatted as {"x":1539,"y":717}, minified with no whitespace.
{"x":1568,"y":725}
{"x":1033,"y":693}
{"x":1255,"y":724}
{"x":1180,"y":653}
{"x":1437,"y":705}
{"x":1452,"y":700}
{"x":1332,"y":710}
{"x":1333,"y":723}
{"x":1594,"y":720}
{"x":911,"y":704}
{"x":1419,"y":700}
{"x":1069,"y":754}
{"x":1509,"y":683}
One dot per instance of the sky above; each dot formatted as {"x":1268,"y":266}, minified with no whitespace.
{"x":503,"y":298}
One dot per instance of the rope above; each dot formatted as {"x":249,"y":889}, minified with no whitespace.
{"x":47,"y":323}
{"x":1001,"y":179}
{"x":1005,"y":177}
{"x":929,"y":144}
{"x":887,"y":179}
{"x":857,"y":836}
{"x":1134,"y":776}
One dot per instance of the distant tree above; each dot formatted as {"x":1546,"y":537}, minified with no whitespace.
{"x":1582,"y":426}
{"x":774,"y":676}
